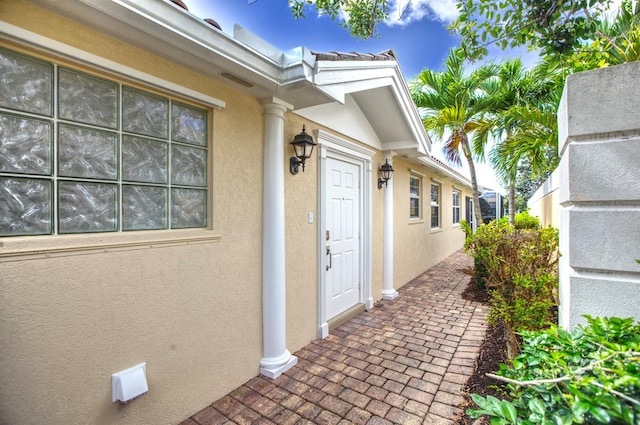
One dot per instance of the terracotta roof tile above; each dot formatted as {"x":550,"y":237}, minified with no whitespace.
{"x":446,"y":166}
{"x":355,"y":56}
{"x":180,"y":3}
{"x":213,"y":23}
{"x":209,"y":21}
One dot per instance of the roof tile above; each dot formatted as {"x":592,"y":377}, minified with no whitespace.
{"x":387,"y":55}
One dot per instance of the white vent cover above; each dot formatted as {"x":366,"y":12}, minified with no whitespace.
{"x":129,"y":383}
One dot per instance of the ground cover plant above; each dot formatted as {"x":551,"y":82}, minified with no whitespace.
{"x":588,"y":376}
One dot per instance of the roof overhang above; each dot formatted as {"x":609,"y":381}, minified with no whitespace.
{"x":250,"y":64}
{"x":382,"y":95}
{"x":444,"y":170}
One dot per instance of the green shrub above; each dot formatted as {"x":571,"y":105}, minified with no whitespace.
{"x":588,"y":376}
{"x":519,"y":269}
{"x":522,"y":278}
{"x":523,"y":220}
{"x":481,"y":246}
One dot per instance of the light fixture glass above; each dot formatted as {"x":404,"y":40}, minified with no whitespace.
{"x":303,"y":148}
{"x":386,"y":171}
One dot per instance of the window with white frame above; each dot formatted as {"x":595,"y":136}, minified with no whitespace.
{"x":83,"y":154}
{"x":456,"y":206}
{"x":415,"y":210}
{"x":435,"y":205}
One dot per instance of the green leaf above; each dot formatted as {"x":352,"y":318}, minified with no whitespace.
{"x":627,"y":415}
{"x":479,"y":400}
{"x":600,"y":414}
{"x":580,"y":408}
{"x":536,"y":405}
{"x":508,"y":411}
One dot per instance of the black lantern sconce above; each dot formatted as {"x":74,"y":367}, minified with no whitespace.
{"x":386,"y":170}
{"x":303,"y":147}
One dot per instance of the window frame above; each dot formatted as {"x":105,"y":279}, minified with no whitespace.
{"x":417,"y":196}
{"x":436,"y":205}
{"x":456,"y":207}
{"x":53,"y":244}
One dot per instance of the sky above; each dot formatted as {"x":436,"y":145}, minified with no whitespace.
{"x":419,"y":39}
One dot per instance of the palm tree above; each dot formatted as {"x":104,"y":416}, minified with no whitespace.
{"x":523,"y":123}
{"x":453,"y":103}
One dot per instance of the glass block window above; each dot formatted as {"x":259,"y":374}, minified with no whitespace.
{"x":414,"y":197}
{"x":435,"y":205}
{"x":456,"y":206}
{"x":84,"y":154}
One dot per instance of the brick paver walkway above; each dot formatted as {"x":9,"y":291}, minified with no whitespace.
{"x":403,"y":362}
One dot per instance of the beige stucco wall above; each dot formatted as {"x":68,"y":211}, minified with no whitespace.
{"x":547,"y":209}
{"x":416,"y":246}
{"x":545,"y":202}
{"x":301,"y":240}
{"x":191,"y":310}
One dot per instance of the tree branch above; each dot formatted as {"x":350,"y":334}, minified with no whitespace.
{"x":618,"y":393}
{"x":573,"y":374}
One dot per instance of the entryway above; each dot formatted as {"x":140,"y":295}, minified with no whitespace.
{"x":342,"y":237}
{"x":344,"y":233}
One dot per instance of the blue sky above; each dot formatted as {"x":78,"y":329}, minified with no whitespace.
{"x":420,"y":39}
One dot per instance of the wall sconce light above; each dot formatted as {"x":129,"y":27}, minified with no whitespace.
{"x":303,"y":147}
{"x":386,"y":170}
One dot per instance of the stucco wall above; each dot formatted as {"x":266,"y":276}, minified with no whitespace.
{"x":188,"y":303}
{"x":416,"y":246}
{"x":301,"y":241}
{"x":190,"y":309}
{"x":599,"y":142}
{"x":544,"y":203}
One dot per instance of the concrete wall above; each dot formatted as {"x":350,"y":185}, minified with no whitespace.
{"x":599,"y":181}
{"x":544,"y":202}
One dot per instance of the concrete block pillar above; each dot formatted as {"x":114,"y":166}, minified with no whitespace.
{"x":599,"y":194}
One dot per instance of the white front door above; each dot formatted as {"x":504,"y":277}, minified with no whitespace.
{"x":342,"y":236}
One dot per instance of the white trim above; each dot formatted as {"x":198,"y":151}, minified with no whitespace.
{"x":48,"y":45}
{"x":19,"y":248}
{"x":341,"y":145}
{"x":418,"y":173}
{"x":330,"y":146}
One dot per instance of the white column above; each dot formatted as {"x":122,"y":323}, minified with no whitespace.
{"x":388,"y":292}
{"x":276,"y":358}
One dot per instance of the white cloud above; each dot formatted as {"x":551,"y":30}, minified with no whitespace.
{"x":404,"y":12}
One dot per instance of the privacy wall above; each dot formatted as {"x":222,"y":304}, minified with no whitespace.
{"x":599,"y":194}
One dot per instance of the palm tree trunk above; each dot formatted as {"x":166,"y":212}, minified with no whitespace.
{"x":474,"y":181}
{"x":512,"y":201}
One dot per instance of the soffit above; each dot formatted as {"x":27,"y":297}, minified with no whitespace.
{"x":173,"y":33}
{"x":381,"y":94}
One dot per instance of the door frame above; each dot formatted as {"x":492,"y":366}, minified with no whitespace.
{"x":330,"y":146}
